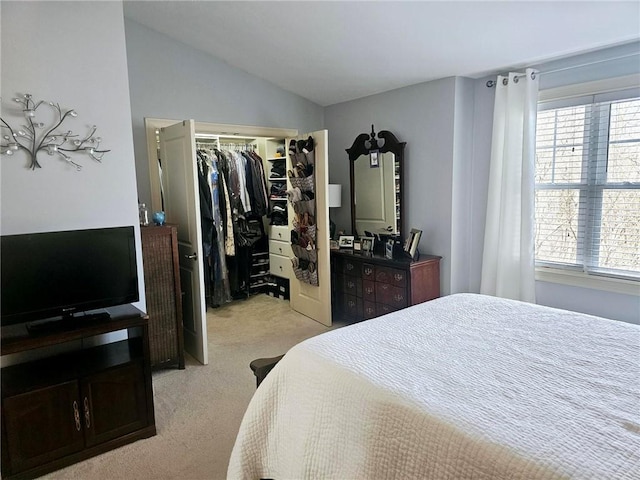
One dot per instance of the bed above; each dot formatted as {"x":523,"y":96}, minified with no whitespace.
{"x":463,"y":387}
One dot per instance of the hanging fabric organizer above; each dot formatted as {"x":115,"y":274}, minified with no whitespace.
{"x":301,"y":196}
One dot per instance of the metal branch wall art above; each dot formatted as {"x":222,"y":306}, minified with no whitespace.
{"x":36,"y":136}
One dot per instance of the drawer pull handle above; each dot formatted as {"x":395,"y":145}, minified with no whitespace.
{"x":398,"y":277}
{"x":398,"y":297}
{"x":384,"y":287}
{"x":369,"y":310}
{"x":368,"y":271}
{"x":76,"y":415}
{"x":349,"y":266}
{"x":351,"y":303}
{"x":369,"y":290}
{"x":351,"y":284}
{"x":87,"y":415}
{"x":280,"y":248}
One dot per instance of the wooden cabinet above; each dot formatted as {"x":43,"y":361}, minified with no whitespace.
{"x":65,"y":408}
{"x":163,"y":294}
{"x":367,"y":286}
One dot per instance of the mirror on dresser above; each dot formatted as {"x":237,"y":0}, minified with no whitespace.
{"x":375,"y":166}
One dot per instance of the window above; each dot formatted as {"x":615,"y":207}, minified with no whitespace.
{"x":587,"y":195}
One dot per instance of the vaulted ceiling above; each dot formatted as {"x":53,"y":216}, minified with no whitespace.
{"x":335,"y":51}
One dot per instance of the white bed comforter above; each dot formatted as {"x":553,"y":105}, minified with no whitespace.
{"x":463,"y":387}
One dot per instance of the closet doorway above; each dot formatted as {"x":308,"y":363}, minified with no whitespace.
{"x":178,"y":186}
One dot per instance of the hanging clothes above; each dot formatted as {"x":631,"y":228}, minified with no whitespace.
{"x":242,"y":185}
{"x":217,"y":290}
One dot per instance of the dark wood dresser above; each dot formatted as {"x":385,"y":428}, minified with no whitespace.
{"x":367,"y":286}
{"x":163,"y":295}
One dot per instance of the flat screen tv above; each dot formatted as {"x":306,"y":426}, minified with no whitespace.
{"x":66,"y":274}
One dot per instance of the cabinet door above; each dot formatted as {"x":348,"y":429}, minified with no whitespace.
{"x":114,"y":403}
{"x":42,"y":425}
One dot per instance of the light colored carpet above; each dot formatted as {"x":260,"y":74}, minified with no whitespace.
{"x":198,"y":410}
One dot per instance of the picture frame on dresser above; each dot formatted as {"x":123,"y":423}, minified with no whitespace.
{"x":411,"y":244}
{"x":346,"y":241}
{"x":367,"y":244}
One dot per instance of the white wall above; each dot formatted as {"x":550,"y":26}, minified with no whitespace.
{"x":462,"y":238}
{"x":169,"y":79}
{"x":423,"y":116}
{"x":72,"y":53}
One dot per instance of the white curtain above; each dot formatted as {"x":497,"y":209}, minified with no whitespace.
{"x":508,"y":268}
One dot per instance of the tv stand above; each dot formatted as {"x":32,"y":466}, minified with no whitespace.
{"x":64,"y":408}
{"x":67,"y":322}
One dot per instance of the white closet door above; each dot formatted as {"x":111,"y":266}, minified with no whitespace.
{"x":315,"y":301}
{"x":182,"y":207}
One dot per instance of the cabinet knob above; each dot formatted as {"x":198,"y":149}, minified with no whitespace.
{"x":193,"y":256}
{"x":351,"y":303}
{"x":76,"y":415}
{"x":351,"y":284}
{"x":368,"y":271}
{"x":398,"y":277}
{"x":398,"y":297}
{"x":280,"y":248}
{"x":349,"y":266}
{"x":384,"y":286}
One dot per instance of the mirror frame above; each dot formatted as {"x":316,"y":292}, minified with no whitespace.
{"x":364,"y":144}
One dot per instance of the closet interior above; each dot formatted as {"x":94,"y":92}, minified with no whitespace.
{"x":242,"y":185}
{"x":243,"y":202}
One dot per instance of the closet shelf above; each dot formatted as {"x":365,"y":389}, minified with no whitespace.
{"x":275,"y":159}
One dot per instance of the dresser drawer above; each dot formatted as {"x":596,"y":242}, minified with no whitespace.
{"x":382,"y":309}
{"x":280,"y":248}
{"x":369,"y":310}
{"x":352,"y":267}
{"x":391,"y":295}
{"x":369,"y":290}
{"x":368,"y":271}
{"x":352,"y":306}
{"x":280,"y":266}
{"x":352,"y":285}
{"x":393,"y":276}
{"x":279,"y":232}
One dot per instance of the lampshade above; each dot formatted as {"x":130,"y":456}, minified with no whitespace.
{"x":335,"y":195}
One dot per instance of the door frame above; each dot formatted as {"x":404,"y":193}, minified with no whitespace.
{"x":222,"y":129}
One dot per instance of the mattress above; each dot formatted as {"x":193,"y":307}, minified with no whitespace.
{"x":463,"y":387}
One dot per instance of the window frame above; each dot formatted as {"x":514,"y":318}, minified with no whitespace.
{"x":588,"y":93}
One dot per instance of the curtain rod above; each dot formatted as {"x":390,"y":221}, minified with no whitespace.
{"x":492,"y":83}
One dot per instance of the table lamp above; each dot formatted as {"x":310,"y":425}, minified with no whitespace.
{"x":335,"y":201}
